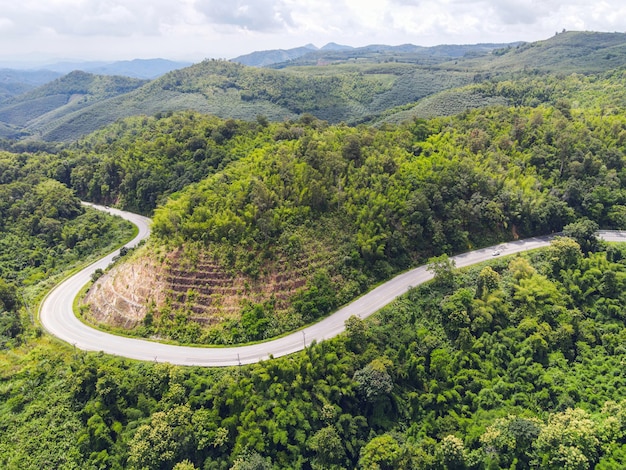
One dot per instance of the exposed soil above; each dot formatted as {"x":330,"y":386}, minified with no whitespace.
{"x":202,"y":287}
{"x":121,"y":297}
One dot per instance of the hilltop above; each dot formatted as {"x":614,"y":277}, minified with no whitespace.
{"x":42,"y":110}
{"x":566,"y":52}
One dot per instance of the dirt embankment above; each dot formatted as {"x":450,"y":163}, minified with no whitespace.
{"x":207,"y":291}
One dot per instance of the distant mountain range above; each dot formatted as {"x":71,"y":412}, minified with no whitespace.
{"x":265,"y":58}
{"x":364,"y":85}
{"x":333,"y":53}
{"x":277,"y":56}
{"x":137,"y":68}
{"x":15,"y":81}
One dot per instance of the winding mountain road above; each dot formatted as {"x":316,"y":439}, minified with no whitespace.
{"x":57,"y":316}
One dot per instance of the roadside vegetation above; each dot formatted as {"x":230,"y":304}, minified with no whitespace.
{"x":44,"y":231}
{"x":517,"y":362}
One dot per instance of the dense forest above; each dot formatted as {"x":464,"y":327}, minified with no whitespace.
{"x":517,"y":363}
{"x":44,"y":230}
{"x":262,"y":226}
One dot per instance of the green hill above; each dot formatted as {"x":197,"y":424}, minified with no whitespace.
{"x":231,"y":90}
{"x":290,"y":220}
{"x":350,"y":90}
{"x":38,"y":110}
{"x":578,"y":91}
{"x":567,"y":52}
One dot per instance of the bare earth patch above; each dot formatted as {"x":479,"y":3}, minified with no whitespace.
{"x":208,"y":292}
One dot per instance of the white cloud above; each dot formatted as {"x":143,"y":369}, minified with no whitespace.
{"x":253,"y":15}
{"x":226,"y":28}
{"x":90,"y":17}
{"x":6,"y":24}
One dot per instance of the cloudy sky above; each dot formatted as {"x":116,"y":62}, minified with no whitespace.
{"x":198,"y":29}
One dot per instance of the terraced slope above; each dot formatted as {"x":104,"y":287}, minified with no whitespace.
{"x":196,"y":286}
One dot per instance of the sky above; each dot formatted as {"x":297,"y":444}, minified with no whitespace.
{"x":193,"y":30}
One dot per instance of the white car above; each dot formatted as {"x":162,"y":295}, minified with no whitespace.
{"x":495,"y":253}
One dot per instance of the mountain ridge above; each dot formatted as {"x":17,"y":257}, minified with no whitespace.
{"x":352,"y":86}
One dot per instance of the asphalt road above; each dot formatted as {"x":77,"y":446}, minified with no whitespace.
{"x":57,"y":316}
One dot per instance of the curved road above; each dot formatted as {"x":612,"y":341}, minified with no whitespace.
{"x":57,"y":316}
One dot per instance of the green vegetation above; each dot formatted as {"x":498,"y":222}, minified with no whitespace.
{"x":516,"y":363}
{"x":340,"y":86}
{"x":585,"y":92}
{"x":322,"y":213}
{"x":40,"y":110}
{"x":44,"y":230}
{"x":513,"y":364}
{"x":338,"y":209}
{"x":565,"y":53}
{"x":138,"y":162}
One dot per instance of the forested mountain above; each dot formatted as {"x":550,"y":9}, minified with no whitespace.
{"x":17,"y":81}
{"x":41,"y":111}
{"x":352,"y":86}
{"x":300,"y":217}
{"x":231,"y":90}
{"x":566,"y":52}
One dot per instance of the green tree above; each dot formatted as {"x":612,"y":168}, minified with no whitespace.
{"x":442,"y":268}
{"x":8,"y":296}
{"x":451,"y":453}
{"x":328,"y":448}
{"x":356,"y":331}
{"x":511,"y":439}
{"x":584,"y":233}
{"x":373,"y":380}
{"x":564,"y":252}
{"x":569,"y":440}
{"x":166,"y":439}
{"x":251,"y":460}
{"x":380,"y":453}
{"x":185,"y":465}
{"x":488,"y":280}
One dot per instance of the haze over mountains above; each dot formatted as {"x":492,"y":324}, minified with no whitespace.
{"x":311,"y":55}
{"x":336,"y":83}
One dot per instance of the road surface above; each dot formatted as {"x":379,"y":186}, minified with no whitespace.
{"x":57,"y":315}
